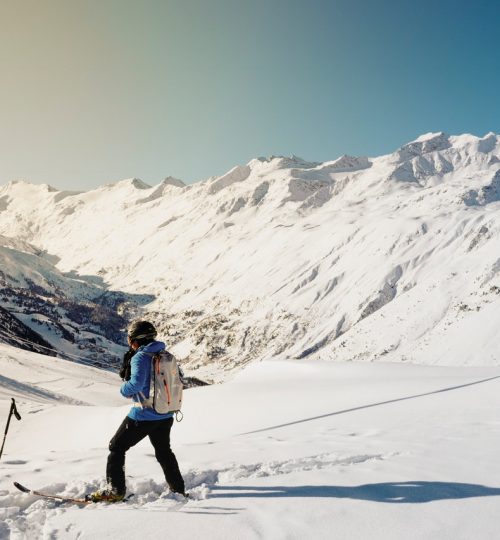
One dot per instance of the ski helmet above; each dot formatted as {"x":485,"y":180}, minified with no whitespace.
{"x":141,"y":330}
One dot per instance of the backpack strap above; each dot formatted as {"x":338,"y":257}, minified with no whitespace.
{"x":148,"y":402}
{"x":145,"y":402}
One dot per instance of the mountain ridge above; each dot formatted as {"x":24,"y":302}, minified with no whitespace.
{"x":286,"y":257}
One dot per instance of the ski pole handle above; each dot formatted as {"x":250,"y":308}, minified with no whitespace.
{"x":14,"y":409}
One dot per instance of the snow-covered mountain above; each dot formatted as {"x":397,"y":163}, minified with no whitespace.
{"x":46,"y":311}
{"x":359,"y":258}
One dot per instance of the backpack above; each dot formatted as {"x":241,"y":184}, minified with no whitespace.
{"x":166,"y":383}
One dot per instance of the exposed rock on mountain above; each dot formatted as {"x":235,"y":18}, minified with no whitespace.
{"x":356,"y":258}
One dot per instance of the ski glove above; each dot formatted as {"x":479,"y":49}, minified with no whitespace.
{"x":125,"y":370}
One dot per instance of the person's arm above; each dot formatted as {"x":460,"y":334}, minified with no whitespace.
{"x":139,"y":368}
{"x":125,"y":369}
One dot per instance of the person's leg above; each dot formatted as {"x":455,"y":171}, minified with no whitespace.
{"x":129,"y":434}
{"x":160,"y":439}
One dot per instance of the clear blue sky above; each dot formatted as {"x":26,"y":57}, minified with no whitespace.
{"x":95,"y":91}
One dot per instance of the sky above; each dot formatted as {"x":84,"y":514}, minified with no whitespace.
{"x":95,"y":91}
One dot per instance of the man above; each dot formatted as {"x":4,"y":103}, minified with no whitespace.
{"x":141,"y":420}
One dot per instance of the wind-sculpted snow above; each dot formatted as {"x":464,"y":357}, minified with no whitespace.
{"x":238,"y":174}
{"x":281,"y":162}
{"x":168,"y":185}
{"x":4,"y":203}
{"x":301,"y":189}
{"x":259,"y":193}
{"x":385,"y":294}
{"x":282,"y":256}
{"x":421,"y":168}
{"x":430,"y":142}
{"x":487,"y":143}
{"x":487,"y":194}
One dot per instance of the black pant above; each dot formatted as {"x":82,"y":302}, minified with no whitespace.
{"x":129,"y":434}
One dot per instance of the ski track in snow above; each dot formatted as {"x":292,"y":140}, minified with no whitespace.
{"x":28,"y":516}
{"x":300,"y":482}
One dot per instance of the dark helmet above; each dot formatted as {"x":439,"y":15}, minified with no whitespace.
{"x":141,"y":330}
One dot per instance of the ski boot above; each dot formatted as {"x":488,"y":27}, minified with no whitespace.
{"x":105,"y":495}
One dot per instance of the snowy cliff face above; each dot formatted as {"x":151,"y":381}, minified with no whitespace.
{"x":392,"y":258}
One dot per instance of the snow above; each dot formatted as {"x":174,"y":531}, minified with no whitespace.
{"x":237,"y":174}
{"x":287,"y":449}
{"x":309,"y":247}
{"x":381,"y":274}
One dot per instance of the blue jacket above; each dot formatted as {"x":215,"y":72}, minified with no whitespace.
{"x":140,"y":381}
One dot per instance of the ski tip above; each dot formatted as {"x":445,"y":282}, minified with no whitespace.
{"x":20,"y":487}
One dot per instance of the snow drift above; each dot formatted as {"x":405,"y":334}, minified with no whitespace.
{"x":383,"y":451}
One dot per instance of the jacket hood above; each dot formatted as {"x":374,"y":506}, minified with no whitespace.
{"x":153,"y":347}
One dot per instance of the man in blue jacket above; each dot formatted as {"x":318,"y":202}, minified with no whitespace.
{"x":141,"y":421}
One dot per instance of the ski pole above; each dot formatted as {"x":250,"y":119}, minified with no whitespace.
{"x":13,"y":411}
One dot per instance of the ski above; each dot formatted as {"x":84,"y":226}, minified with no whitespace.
{"x":24,"y":489}
{"x":60,"y":498}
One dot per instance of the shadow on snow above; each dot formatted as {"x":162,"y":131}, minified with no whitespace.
{"x":387,"y":492}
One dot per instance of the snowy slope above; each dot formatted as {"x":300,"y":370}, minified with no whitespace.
{"x":44,"y":381}
{"x":75,"y":316}
{"x":286,"y":450}
{"x":359,"y":258}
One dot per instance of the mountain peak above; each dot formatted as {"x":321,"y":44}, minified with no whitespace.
{"x":310,"y":252}
{"x":171,"y":181}
{"x":431,"y":136}
{"x":349,"y":163}
{"x":135,"y":183}
{"x":428,"y":142}
{"x":286,"y":162}
{"x":139,"y":184}
{"x":42,"y":187}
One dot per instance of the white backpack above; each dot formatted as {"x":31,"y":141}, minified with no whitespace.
{"x":166,"y":383}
